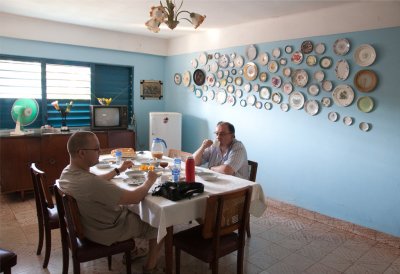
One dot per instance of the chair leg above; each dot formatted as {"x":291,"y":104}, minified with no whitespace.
{"x":177,"y":260}
{"x":214,"y":266}
{"x":48,"y":247}
{"x":128,"y":262}
{"x":240,"y":258}
{"x":109,"y":262}
{"x":77,"y":266}
{"x":40,"y":243}
{"x":7,"y":270}
{"x":248,"y":226}
{"x":65,"y":254}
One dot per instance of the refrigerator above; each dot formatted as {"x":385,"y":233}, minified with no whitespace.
{"x":167,"y":126}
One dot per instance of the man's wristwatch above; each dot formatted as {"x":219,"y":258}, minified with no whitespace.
{"x":116,"y":171}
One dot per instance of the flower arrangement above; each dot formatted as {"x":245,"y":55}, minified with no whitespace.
{"x":104,"y":101}
{"x":63,"y":111}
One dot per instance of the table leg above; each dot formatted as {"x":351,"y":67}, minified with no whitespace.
{"x":169,"y":256}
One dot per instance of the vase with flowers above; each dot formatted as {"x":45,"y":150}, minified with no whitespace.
{"x":63,"y":111}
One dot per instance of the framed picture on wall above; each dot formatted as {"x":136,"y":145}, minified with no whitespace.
{"x":151,"y":89}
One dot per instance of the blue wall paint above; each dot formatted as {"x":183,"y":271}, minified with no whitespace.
{"x":310,"y":161}
{"x":146,"y":67}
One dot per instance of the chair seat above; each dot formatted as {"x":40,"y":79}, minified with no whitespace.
{"x":7,"y":259}
{"x":88,"y":250}
{"x":53,"y":218}
{"x":192,"y":240}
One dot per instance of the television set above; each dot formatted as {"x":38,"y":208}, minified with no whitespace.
{"x":108,"y":117}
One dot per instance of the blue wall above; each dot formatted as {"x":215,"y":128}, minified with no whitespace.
{"x":146,"y":67}
{"x":309,"y":161}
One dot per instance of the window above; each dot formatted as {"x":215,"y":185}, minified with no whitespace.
{"x":50,"y":80}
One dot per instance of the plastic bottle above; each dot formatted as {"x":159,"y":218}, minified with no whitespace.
{"x":118,"y":157}
{"x":189,"y":170}
{"x":176,"y":170}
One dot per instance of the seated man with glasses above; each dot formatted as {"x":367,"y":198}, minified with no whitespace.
{"x":228,"y":157}
{"x":105,"y":216}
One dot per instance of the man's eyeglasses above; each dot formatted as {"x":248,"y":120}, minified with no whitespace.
{"x":222,"y":133}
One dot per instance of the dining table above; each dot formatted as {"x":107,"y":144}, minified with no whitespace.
{"x":164,"y":214}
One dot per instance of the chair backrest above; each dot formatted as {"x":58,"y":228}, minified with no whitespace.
{"x":227,"y":212}
{"x":172,"y":153}
{"x":42,"y":193}
{"x":68,"y":212}
{"x":253,"y":170}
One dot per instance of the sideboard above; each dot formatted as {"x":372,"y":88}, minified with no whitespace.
{"x":49,"y":152}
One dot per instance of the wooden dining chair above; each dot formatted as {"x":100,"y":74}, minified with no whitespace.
{"x":172,"y":153}
{"x":253,"y":166}
{"x":73,"y":237}
{"x":222,"y":232}
{"x":47,"y":213}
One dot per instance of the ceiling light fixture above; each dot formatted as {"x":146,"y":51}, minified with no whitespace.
{"x":170,"y":16}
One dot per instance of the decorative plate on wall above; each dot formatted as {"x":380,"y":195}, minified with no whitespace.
{"x":327,"y":85}
{"x":311,"y":60}
{"x":300,"y":78}
{"x":364,"y":126}
{"x":177,"y":78}
{"x":223,"y":61}
{"x":365,"y":55}
{"x":263,"y":76}
{"x":276,"y":81}
{"x":365,"y":80}
{"x":348,"y":121}
{"x":203,"y":58}
{"x":268,"y":105}
{"x":325,"y":62}
{"x":221,"y":96}
{"x":343,"y":95}
{"x":342,"y":69}
{"x":273,"y":66}
{"x":297,"y":57}
{"x":313,"y":90}
{"x":311,"y":107}
{"x":284,"y":107}
{"x":276,"y":52}
{"x":288,"y":49}
{"x":333,"y":116}
{"x":186,"y":78}
{"x":250,"y":71}
{"x":307,"y":47}
{"x":296,"y":100}
{"x":326,"y":102}
{"x":265,"y":93}
{"x":263,"y":58}
{"x":251,"y":52}
{"x":341,"y":46}
{"x":199,"y":77}
{"x":258,"y":105}
{"x":319,"y":48}
{"x":365,"y":104}
{"x":287,"y":88}
{"x":276,"y":97}
{"x":238,"y":61}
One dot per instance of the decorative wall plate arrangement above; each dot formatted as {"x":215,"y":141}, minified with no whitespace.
{"x":296,"y":100}
{"x":268,"y":105}
{"x":287,"y":72}
{"x":276,"y":81}
{"x":194,"y":63}
{"x":313,"y":90}
{"x":326,"y":62}
{"x":238,"y":61}
{"x":319,"y":48}
{"x":210,"y":79}
{"x":327,"y":85}
{"x":263,"y":76}
{"x":276,"y":97}
{"x":199,"y":77}
{"x":319,"y":75}
{"x":177,"y":78}
{"x":284,"y":107}
{"x":348,"y":121}
{"x":341,"y":46}
{"x":186,"y":78}
{"x":251,"y":99}
{"x":231,"y":100}
{"x":333,"y":116}
{"x":263,"y":59}
{"x":273,"y":66}
{"x":238,"y":81}
{"x":364,"y":55}
{"x":311,"y":107}
{"x":243,"y":103}
{"x":238,"y":93}
{"x":311,"y":60}
{"x":287,"y":88}
{"x":198,"y":92}
{"x":343,"y":95}
{"x":233,"y":71}
{"x":203,"y":58}
{"x":250,"y":71}
{"x":223,"y":61}
{"x":258,"y":105}
{"x":307,"y":47}
{"x":342,"y":69}
{"x":288,"y":49}
{"x":365,"y":80}
{"x":214,"y":67}
{"x":251,"y":52}
{"x":297,"y":57}
{"x":247,"y":87}
{"x":300,"y":78}
{"x":276,"y":52}
{"x":365,"y":104}
{"x":283,"y":61}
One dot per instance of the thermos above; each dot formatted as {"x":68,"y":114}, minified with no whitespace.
{"x":189,"y":170}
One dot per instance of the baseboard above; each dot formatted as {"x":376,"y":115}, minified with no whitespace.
{"x":337,"y":223}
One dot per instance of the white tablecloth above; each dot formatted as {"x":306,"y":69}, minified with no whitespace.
{"x":162,"y":213}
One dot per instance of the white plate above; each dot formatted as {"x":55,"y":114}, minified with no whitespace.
{"x":263,"y":58}
{"x":342,"y":69}
{"x":276,"y":52}
{"x":300,"y":78}
{"x":135,"y":174}
{"x":287,"y":72}
{"x":263,"y":76}
{"x":210,"y":79}
{"x":288,"y":49}
{"x":287,"y":88}
{"x":364,"y":126}
{"x":239,"y":93}
{"x":343,"y":95}
{"x":238,"y":61}
{"x":186,"y":78}
{"x":276,"y":81}
{"x":296,"y":100}
{"x":273,"y":66}
{"x":276,"y":97}
{"x":250,"y":71}
{"x":247,"y":87}
{"x":267,"y":105}
{"x":325,"y":62}
{"x":251,"y":99}
{"x":348,"y":121}
{"x":243,"y":103}
{"x":319,"y":48}
{"x":319,"y":75}
{"x":208,"y":176}
{"x":258,"y":105}
{"x":251,"y":52}
{"x":211,"y":95}
{"x":327,"y":85}
{"x":214,"y":67}
{"x":313,"y":90}
{"x":231,"y":100}
{"x":311,"y":60}
{"x":194,"y":63}
{"x":326,"y":101}
{"x":365,"y":55}
{"x":134,"y":181}
{"x":177,"y":78}
{"x":265,"y":93}
{"x":284,"y":107}
{"x":223,"y":61}
{"x":203,"y":58}
{"x":221,"y":96}
{"x":230,"y":88}
{"x":297,"y":57}
{"x":238,"y":81}
{"x":311,"y":107}
{"x":256,"y":87}
{"x":198,"y":93}
{"x":333,"y":116}
{"x":341,"y":46}
{"x":283,"y":61}
{"x":103,"y":165}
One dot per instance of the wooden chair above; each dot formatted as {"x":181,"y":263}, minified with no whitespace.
{"x":7,"y":260}
{"x":73,"y":237}
{"x":172,"y":153}
{"x":252,"y":177}
{"x":222,"y":232}
{"x":47,"y":213}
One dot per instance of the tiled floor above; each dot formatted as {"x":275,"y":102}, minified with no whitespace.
{"x":281,"y":243}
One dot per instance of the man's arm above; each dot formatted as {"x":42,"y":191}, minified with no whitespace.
{"x":198,"y":154}
{"x":225,"y":169}
{"x":137,"y":195}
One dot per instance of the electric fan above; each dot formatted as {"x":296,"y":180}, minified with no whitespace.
{"x":24,"y":112}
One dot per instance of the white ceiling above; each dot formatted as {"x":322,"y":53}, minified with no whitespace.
{"x":130,"y":15}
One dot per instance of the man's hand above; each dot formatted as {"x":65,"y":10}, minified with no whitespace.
{"x":206,"y":143}
{"x":125,"y":165}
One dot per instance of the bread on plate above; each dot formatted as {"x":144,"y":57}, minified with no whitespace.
{"x":127,"y":152}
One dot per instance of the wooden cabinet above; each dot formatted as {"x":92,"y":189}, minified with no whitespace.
{"x":50,"y":153}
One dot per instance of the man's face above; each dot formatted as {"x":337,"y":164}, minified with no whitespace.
{"x":92,"y":151}
{"x":223,"y":135}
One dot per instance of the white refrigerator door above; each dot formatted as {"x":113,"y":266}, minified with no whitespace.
{"x":167,"y":126}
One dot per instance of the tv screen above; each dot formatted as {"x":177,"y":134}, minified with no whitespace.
{"x":106,"y":117}
{"x":109,"y":117}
